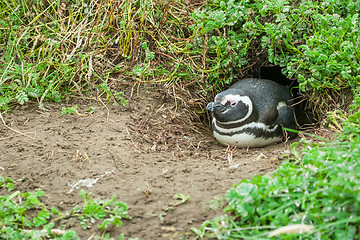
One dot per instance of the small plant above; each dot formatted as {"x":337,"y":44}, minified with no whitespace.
{"x":216,"y":203}
{"x":70,"y":110}
{"x":118,"y":96}
{"x":91,"y":110}
{"x":75,"y":110}
{"x":149,"y":56}
{"x":17,"y":208}
{"x":120,"y":100}
{"x":109,"y":211}
{"x":179,"y":199}
{"x":15,"y":221}
{"x":7,"y":183}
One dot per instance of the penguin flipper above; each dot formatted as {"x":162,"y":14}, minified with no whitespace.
{"x":287,"y":119}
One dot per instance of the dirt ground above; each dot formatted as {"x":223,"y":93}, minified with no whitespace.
{"x":143,"y":153}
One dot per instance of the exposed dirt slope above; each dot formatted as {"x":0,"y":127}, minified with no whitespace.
{"x":143,"y":155}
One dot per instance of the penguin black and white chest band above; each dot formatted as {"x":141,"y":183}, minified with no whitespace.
{"x":253,"y":134}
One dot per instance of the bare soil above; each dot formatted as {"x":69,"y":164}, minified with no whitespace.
{"x":144,"y":154}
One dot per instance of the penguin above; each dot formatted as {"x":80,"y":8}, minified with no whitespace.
{"x":252,"y":113}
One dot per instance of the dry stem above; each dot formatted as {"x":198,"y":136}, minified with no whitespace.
{"x":14,"y":130}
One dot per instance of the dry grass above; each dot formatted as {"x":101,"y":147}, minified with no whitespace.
{"x":71,"y":47}
{"x":170,"y":122}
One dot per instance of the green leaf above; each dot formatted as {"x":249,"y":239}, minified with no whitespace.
{"x":69,"y":110}
{"x":34,"y":92}
{"x":41,"y":218}
{"x":22,"y":97}
{"x":4,"y":101}
{"x":197,"y":232}
{"x":113,"y":220}
{"x":10,"y":186}
{"x":55,"y":211}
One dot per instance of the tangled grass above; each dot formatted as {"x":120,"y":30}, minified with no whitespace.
{"x":52,"y":50}
{"x":55,"y":49}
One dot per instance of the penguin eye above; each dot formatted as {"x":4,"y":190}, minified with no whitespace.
{"x":233,"y":104}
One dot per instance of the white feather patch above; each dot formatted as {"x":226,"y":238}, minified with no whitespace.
{"x":257,"y":125}
{"x":245,"y":140}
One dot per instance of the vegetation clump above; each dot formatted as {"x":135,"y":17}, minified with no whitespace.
{"x":24,"y":216}
{"x":51,"y":50}
{"x":314,"y":41}
{"x":55,"y":50}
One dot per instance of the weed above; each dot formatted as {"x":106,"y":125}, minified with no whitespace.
{"x":110,"y":212}
{"x":17,"y":208}
{"x":118,"y":96}
{"x":91,"y":110}
{"x":70,"y":110}
{"x":313,"y":41}
{"x":15,"y":222}
{"x":179,"y":199}
{"x":215,"y":203}
{"x":75,"y":110}
{"x":7,"y":183}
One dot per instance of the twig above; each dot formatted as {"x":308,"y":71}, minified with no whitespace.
{"x":14,"y":130}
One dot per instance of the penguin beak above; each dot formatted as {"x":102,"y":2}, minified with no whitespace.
{"x":210,"y":107}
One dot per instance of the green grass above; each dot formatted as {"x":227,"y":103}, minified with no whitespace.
{"x":59,"y":49}
{"x":55,"y":50}
{"x":24,"y":216}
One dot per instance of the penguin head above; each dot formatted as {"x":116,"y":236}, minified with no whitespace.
{"x":231,"y":106}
